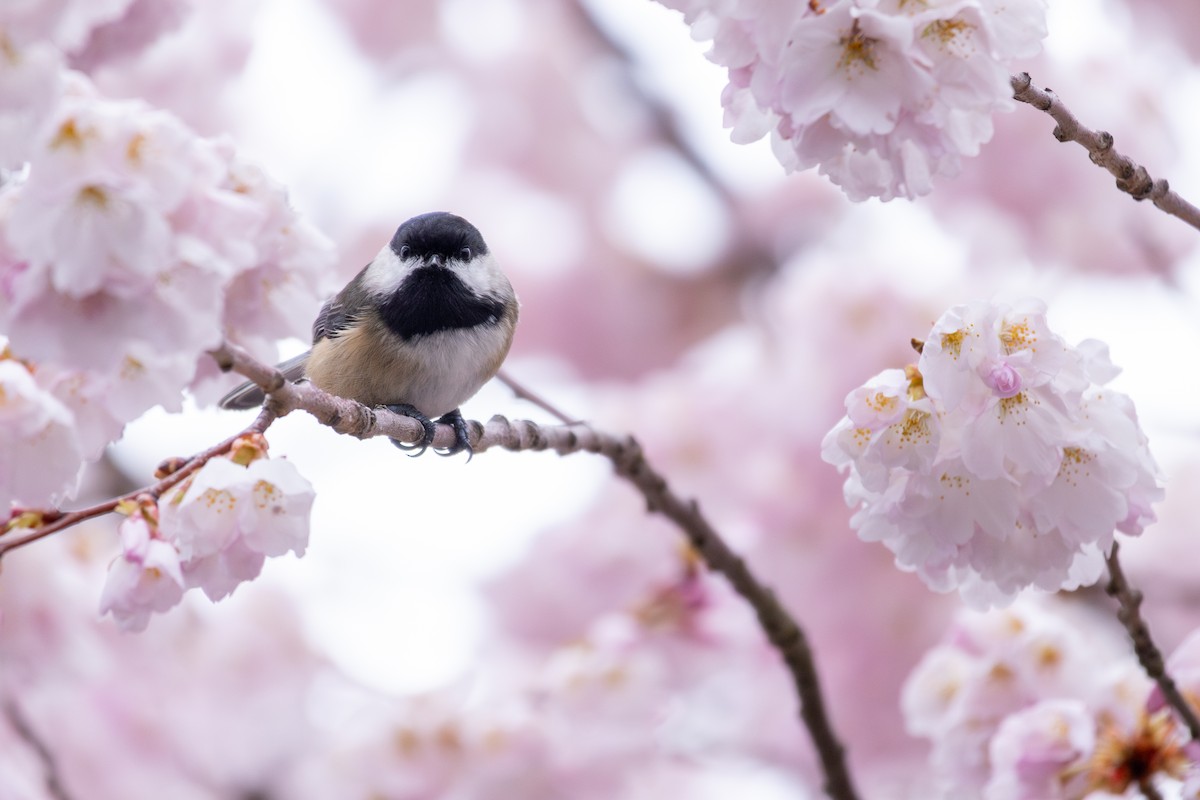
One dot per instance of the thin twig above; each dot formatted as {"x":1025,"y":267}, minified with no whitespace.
{"x":1148,"y":654}
{"x":524,"y":393}
{"x":24,"y":731}
{"x":1132,"y":178}
{"x":747,"y":253}
{"x":355,"y":419}
{"x":55,"y":521}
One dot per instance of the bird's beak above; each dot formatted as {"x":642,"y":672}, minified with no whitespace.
{"x":436,"y":260}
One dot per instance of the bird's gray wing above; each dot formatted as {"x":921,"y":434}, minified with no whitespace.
{"x":251,"y":395}
{"x":330,"y":321}
{"x":341,"y":311}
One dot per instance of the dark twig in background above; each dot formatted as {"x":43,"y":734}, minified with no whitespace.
{"x":1148,"y":654}
{"x":23,"y":730}
{"x":1132,"y":178}
{"x":528,"y":395}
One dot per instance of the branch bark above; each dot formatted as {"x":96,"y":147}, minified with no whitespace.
{"x":1132,"y":178}
{"x":628,"y":460}
{"x":1148,"y":654}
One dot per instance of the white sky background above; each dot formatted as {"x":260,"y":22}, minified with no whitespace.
{"x":387,"y":586}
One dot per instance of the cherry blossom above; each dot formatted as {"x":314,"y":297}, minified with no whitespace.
{"x":881,"y":96}
{"x":1033,"y":751}
{"x":1016,"y":467}
{"x":145,"y":579}
{"x":142,"y":23}
{"x":214,"y":531}
{"x":40,"y":455}
{"x":102,"y":403}
{"x":67,"y":24}
{"x":228,"y":517}
{"x":1037,"y":701}
{"x":29,"y":87}
{"x":154,"y":244}
{"x":1011,"y":702}
{"x":159,"y":221}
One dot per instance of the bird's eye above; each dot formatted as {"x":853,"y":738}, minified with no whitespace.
{"x":405,"y":251}
{"x":465,"y":254}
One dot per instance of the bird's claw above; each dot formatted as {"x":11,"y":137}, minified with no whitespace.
{"x":420,"y":447}
{"x":462,"y":437}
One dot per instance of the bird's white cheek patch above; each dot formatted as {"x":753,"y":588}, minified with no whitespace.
{"x":482,"y":275}
{"x":386,"y":272}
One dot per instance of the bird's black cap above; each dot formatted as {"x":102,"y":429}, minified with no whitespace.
{"x":438,"y":233}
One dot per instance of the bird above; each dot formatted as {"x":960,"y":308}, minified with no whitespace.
{"x":417,"y":331}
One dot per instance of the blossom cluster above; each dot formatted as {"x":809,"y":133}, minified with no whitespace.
{"x":1015,"y":707}
{"x":999,"y":461}
{"x":211,"y":531}
{"x":881,"y":95}
{"x":128,"y":247}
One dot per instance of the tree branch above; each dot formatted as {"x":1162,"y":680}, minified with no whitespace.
{"x":53,"y":521}
{"x":1148,"y":654}
{"x":628,"y":460}
{"x":1132,"y":178}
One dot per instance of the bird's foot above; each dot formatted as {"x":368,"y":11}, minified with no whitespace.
{"x":462,"y":439}
{"x":426,"y":423}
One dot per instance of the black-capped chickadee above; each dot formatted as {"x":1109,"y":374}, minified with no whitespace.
{"x":418,"y":330}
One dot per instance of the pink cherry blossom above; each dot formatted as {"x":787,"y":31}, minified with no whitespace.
{"x":103,"y":403}
{"x":227,"y":518}
{"x":1036,"y":752}
{"x":40,"y":452}
{"x":30,"y":84}
{"x":888,"y":426}
{"x":218,"y":574}
{"x":142,"y":23}
{"x":882,"y":97}
{"x":173,"y":242}
{"x":1003,"y":379}
{"x":146,"y":578}
{"x":1032,"y":468}
{"x":66,"y":23}
{"x":1011,"y":700}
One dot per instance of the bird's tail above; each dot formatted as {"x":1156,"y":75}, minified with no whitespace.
{"x":251,"y":395}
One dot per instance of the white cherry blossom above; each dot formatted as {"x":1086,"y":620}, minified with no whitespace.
{"x":227,"y":518}
{"x":1035,"y":750}
{"x":40,"y":452}
{"x":996,"y":463}
{"x":881,"y":95}
{"x":146,"y":578}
